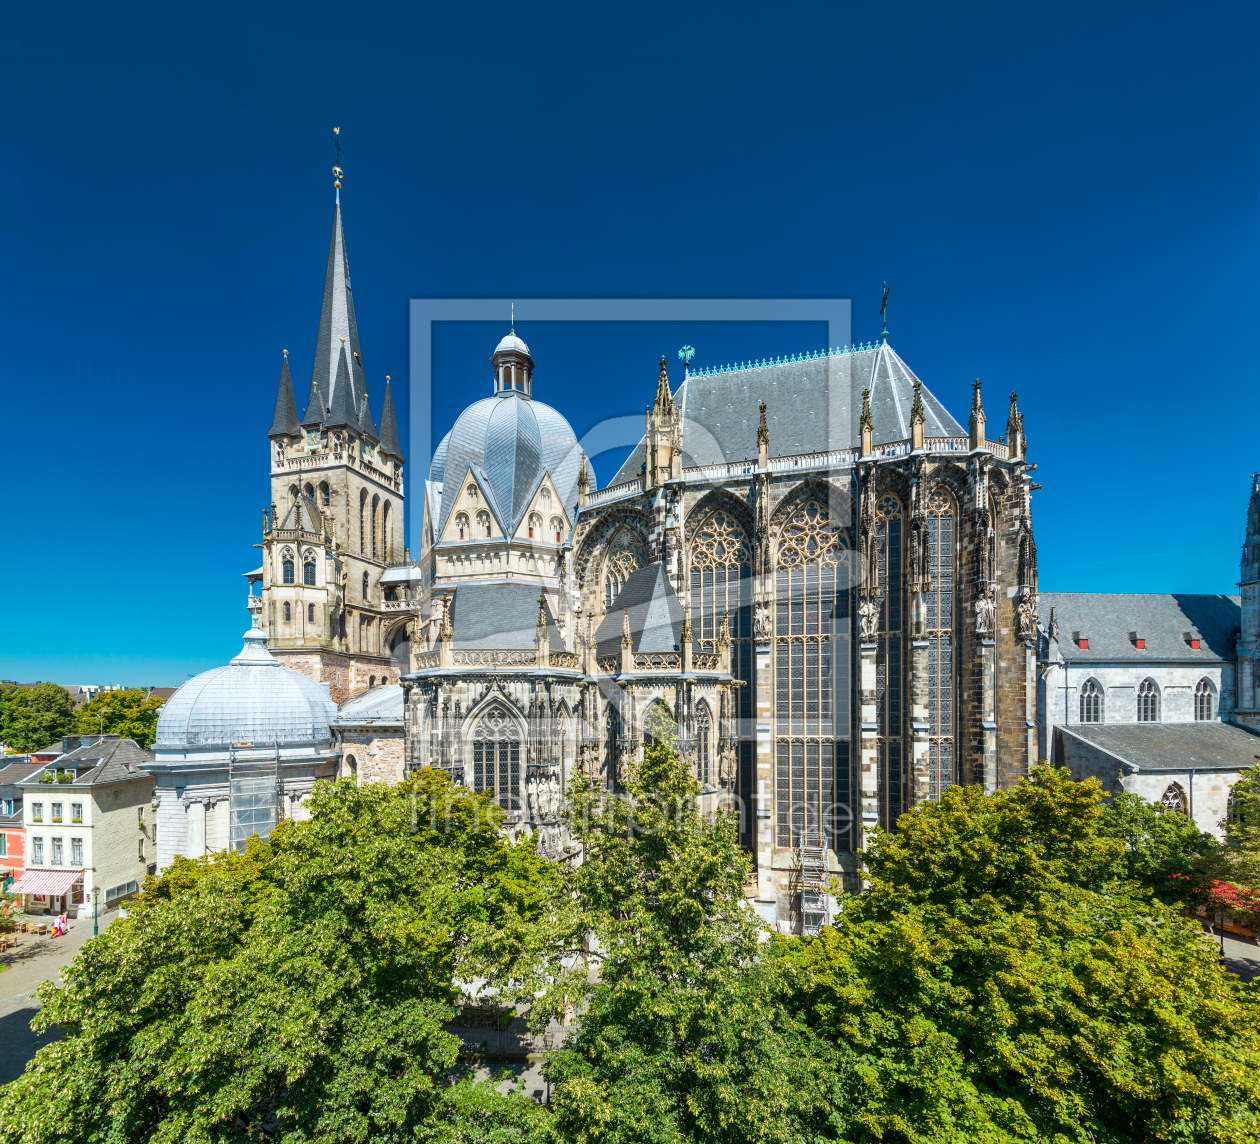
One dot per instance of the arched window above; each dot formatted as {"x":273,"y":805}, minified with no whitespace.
{"x":365,"y":585}
{"x":325,"y":494}
{"x":535,"y":525}
{"x":363,"y":521}
{"x":310,"y":613}
{"x":308,"y":571}
{"x":1148,"y":702}
{"x":309,"y":490}
{"x":1175,"y":799}
{"x":472,"y":494}
{"x":704,"y":730}
{"x":461,"y":523}
{"x":376,"y":502}
{"x":286,"y":567}
{"x":497,"y":759}
{"x":288,"y":611}
{"x":626,"y":554}
{"x":1091,"y":702}
{"x":938,"y":607}
{"x":483,"y":523}
{"x":556,"y":527}
{"x":811,"y":648}
{"x":1204,"y":701}
{"x":353,"y":764}
{"x":371,"y":680}
{"x":545,"y":497}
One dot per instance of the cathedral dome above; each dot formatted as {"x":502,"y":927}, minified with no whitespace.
{"x":254,"y":700}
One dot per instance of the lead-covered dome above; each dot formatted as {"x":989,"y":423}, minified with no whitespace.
{"x":254,"y":700}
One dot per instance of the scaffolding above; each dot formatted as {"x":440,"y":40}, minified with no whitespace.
{"x":813,"y":875}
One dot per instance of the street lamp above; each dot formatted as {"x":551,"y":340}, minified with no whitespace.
{"x":96,"y":901}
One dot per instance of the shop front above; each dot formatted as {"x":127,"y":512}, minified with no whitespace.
{"x":52,"y":892}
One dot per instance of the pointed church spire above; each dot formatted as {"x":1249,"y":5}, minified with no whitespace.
{"x":1015,"y":431}
{"x":315,"y":411}
{"x":390,"y":444}
{"x":285,"y":422}
{"x":337,"y":324}
{"x":664,"y":398}
{"x":367,"y":427}
{"x":341,"y":410}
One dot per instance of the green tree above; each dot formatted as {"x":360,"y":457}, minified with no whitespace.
{"x":33,"y":717}
{"x":1231,"y":873}
{"x":684,"y":1035}
{"x":294,"y":991}
{"x":128,"y":712}
{"x":997,"y":986}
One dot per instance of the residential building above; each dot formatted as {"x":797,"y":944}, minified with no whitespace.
{"x":12,"y":828}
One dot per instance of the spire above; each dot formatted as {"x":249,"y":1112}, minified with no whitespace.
{"x":867,"y":425}
{"x":285,"y":422}
{"x":341,"y":410}
{"x":763,"y":440}
{"x":367,"y":427}
{"x":315,"y":411}
{"x":584,"y":481}
{"x":664,"y":398}
{"x":1015,"y":431}
{"x":390,"y":444}
{"x":337,"y":325}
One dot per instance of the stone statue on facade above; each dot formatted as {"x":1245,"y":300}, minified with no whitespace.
{"x":1026,"y":615}
{"x":868,"y":616}
{"x":762,"y":628}
{"x":986,"y":610}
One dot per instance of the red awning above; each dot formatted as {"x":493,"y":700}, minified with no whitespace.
{"x":55,"y":882}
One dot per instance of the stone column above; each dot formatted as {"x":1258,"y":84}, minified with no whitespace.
{"x":986,"y":655}
{"x":919,"y":784}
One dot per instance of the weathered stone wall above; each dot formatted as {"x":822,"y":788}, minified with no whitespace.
{"x":375,"y":756}
{"x":346,"y":675}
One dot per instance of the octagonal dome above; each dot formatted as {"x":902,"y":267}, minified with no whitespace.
{"x":254,"y":700}
{"x":511,"y":344}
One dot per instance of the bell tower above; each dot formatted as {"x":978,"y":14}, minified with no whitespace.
{"x":334,"y":524}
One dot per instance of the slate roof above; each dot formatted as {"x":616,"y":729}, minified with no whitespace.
{"x":656,"y":616}
{"x":499,"y":614}
{"x":1172,"y":746}
{"x":390,"y":443}
{"x":107,"y":760}
{"x":1161,"y":619}
{"x":342,"y":411}
{"x":813,"y":405}
{"x":303,"y":513}
{"x":337,"y":322}
{"x":377,"y":705}
{"x":285,"y":422}
{"x":18,"y":771}
{"x":315,"y":411}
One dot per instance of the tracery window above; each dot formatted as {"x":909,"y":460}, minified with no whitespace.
{"x":626,"y":554}
{"x":308,"y":570}
{"x":811,"y":675}
{"x":721,"y":584}
{"x":1204,"y":701}
{"x":535,"y":525}
{"x":704,"y":730}
{"x":287,"y":567}
{"x":939,"y":632}
{"x":1175,"y":799}
{"x":497,"y":759}
{"x":889,"y":542}
{"x":1091,"y":702}
{"x":461,"y":523}
{"x":309,"y":490}
{"x":387,"y":530}
{"x":612,"y":740}
{"x":483,"y":524}
{"x":362,"y":520}
{"x":376,"y":501}
{"x":1148,"y":702}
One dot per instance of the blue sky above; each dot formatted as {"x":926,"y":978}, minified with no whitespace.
{"x":1063,"y":200}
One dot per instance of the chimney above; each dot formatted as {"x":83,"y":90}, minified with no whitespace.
{"x":70,"y":743}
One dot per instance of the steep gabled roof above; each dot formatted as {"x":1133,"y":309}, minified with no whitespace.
{"x":285,"y":422}
{"x":342,"y":413}
{"x":367,"y":427}
{"x":303,"y":513}
{"x":337,"y":325}
{"x":499,"y":614}
{"x":656,"y":616}
{"x":1162,"y":619}
{"x":390,"y":443}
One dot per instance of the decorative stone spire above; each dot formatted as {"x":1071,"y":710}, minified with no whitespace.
{"x":918,"y":417}
{"x":867,"y":424}
{"x":627,"y":653}
{"x":763,"y":441}
{"x":367,"y":427}
{"x":542,"y":641}
{"x":337,"y":325}
{"x":285,"y":423}
{"x":977,"y":417}
{"x":664,"y":435}
{"x":1015,"y":431}
{"x":664,"y":398}
{"x":584,"y":481}
{"x":390,"y":445}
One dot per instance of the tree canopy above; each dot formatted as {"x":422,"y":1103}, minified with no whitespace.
{"x":33,"y":717}
{"x":128,"y":712}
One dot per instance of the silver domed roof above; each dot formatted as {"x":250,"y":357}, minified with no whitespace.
{"x":512,"y":343}
{"x":510,"y":441}
{"x":255,"y":699}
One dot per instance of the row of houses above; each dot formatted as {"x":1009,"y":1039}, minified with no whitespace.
{"x":78,"y":827}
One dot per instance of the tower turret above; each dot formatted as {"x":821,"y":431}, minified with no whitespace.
{"x":513,"y":367}
{"x":285,"y":423}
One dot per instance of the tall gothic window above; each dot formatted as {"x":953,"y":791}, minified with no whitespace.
{"x":288,"y":611}
{"x":811,"y":673}
{"x":308,"y":571}
{"x":626,"y":554}
{"x":888,"y":666}
{"x":375,"y":506}
{"x":1091,"y":702}
{"x":287,"y":567}
{"x":939,"y":631}
{"x":1204,"y":701}
{"x":387,"y":539}
{"x":535,"y":526}
{"x":612,"y":736}
{"x":365,"y":585}
{"x":721,"y":584}
{"x":497,"y":759}
{"x":1175,"y":799}
{"x":310,"y":613}
{"x":363,"y":521}
{"x":325,"y":493}
{"x":704,"y":729}
{"x":1148,"y":702}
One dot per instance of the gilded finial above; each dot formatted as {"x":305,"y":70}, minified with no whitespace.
{"x":337,"y":171}
{"x":285,"y":352}
{"x":512,"y":320}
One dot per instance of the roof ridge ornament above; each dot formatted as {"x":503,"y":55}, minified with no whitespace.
{"x":340,"y":151}
{"x":883,"y":313}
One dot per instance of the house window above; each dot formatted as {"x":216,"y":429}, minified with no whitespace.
{"x":56,"y":852}
{"x":287,"y":568}
{"x":288,"y":612}
{"x":4,"y":845}
{"x":56,"y":812}
{"x":1091,"y":702}
{"x":1204,"y":701}
{"x":76,"y":812}
{"x":1148,"y":702}
{"x":1175,"y":799}
{"x":8,"y":807}
{"x":37,"y":851}
{"x":308,"y":573}
{"x":140,"y":849}
{"x":310,"y":613}
{"x":140,"y":815}
{"x":37,"y":812}
{"x":76,"y":852}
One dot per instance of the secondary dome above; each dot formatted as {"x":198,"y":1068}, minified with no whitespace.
{"x":512,"y":343}
{"x":254,"y":700}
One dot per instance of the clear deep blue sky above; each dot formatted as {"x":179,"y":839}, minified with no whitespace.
{"x":1063,"y":199}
